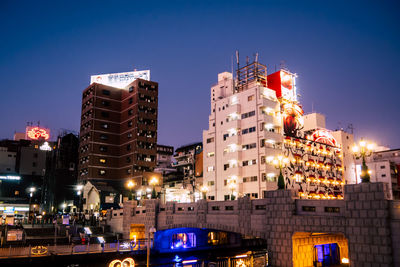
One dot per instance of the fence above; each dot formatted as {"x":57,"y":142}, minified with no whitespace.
{"x":47,"y":250}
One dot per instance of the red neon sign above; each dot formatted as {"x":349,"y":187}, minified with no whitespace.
{"x":36,"y":133}
{"x":323,"y":136}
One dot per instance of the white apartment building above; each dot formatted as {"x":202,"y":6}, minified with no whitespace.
{"x":245,"y":126}
{"x":384,"y":166}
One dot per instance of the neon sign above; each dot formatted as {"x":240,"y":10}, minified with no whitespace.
{"x":120,"y":80}
{"x":36,"y":133}
{"x":10,"y":177}
{"x":128,"y":262}
{"x":39,"y":250}
{"x":324,"y":137}
{"x":45,"y":147}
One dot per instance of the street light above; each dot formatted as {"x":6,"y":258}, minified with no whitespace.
{"x":279,"y":162}
{"x":79,"y":189}
{"x":131,"y":185}
{"x":31,"y":190}
{"x":153,"y":183}
{"x":204,"y":190}
{"x":152,"y":230}
{"x":232,"y":187}
{"x":363,"y":150}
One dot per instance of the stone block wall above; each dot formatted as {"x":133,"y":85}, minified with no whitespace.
{"x":303,"y":247}
{"x":366,"y":218}
{"x":368,"y":225}
{"x":395,"y":229}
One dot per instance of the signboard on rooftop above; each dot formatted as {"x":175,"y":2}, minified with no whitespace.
{"x":120,"y":80}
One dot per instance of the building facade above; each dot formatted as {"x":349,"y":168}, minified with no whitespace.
{"x":383,"y":166}
{"x":118,"y":135}
{"x":244,"y":125}
{"x":256,"y":118}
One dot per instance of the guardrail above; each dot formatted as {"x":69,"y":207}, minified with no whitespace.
{"x":47,"y":250}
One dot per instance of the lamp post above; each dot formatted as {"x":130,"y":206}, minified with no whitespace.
{"x":79,"y":189}
{"x":131,"y":185}
{"x":204,"y":190}
{"x":362,"y":150}
{"x":279,"y":162}
{"x":31,"y":190}
{"x":232,"y":187}
{"x":152,"y":230}
{"x":153,"y":183}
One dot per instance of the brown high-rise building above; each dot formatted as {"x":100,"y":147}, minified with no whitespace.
{"x":118,"y":134}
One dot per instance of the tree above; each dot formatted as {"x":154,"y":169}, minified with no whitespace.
{"x":281,"y":181}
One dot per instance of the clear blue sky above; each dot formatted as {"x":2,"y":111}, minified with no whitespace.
{"x":346,"y":54}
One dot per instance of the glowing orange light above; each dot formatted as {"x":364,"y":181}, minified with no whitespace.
{"x":37,"y":133}
{"x":325,"y":137}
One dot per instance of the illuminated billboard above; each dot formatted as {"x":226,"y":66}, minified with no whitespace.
{"x":323,"y":136}
{"x":37,"y":133}
{"x":288,"y":85}
{"x":284,"y":85}
{"x":120,"y":80}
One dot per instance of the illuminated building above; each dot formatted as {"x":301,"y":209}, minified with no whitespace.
{"x":255,"y":117}
{"x":183,"y":184}
{"x":118,"y":134}
{"x":384,"y":166}
{"x":245,"y":125}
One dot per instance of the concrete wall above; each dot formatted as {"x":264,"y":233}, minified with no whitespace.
{"x":366,"y":218}
{"x":395,"y":230}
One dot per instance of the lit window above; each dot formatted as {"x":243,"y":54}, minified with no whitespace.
{"x":183,"y":240}
{"x":211,"y":154}
{"x":210,"y":168}
{"x":102,"y":161}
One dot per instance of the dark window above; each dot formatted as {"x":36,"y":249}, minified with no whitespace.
{"x":210,"y":140}
{"x":128,"y":147}
{"x":106,"y":92}
{"x":228,"y":207}
{"x":105,"y":103}
{"x":105,"y":114}
{"x":215,"y":207}
{"x":308,"y":208}
{"x":130,"y":123}
{"x":332,"y":209}
{"x":104,"y":137}
{"x":226,"y":136}
{"x":129,"y":135}
{"x":33,"y":164}
{"x":130,"y":100}
{"x":103,"y":148}
{"x":130,"y":112}
{"x":261,"y":207}
{"x":131,"y":89}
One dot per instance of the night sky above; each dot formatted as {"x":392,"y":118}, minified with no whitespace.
{"x":346,"y":55}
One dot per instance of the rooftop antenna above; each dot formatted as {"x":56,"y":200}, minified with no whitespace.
{"x":233,"y":82}
{"x":256,"y":59}
{"x":351,"y":128}
{"x":312,"y":107}
{"x":283,"y":65}
{"x":247,"y":60}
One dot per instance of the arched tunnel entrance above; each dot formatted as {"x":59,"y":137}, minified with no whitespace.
{"x":320,"y":249}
